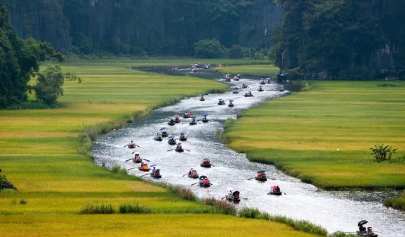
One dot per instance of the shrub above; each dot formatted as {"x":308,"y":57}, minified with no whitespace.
{"x":134,"y":208}
{"x":380,"y":153}
{"x":209,"y":48}
{"x":221,"y":206}
{"x":97,"y":209}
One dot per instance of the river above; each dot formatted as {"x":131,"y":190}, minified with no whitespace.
{"x":335,"y":211}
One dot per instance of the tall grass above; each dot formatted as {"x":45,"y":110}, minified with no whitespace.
{"x":134,"y":208}
{"x":92,"y":208}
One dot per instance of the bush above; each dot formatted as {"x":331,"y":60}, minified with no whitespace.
{"x":209,"y":48}
{"x":97,"y":209}
{"x":134,"y":208}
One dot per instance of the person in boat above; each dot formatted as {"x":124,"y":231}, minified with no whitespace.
{"x":230,"y":195}
{"x":137,"y":157}
{"x":206,"y":162}
{"x":206,"y":181}
{"x":362,"y":229}
{"x":179,"y":147}
{"x":260,"y":175}
{"x":236,"y":195}
{"x":171,"y":120}
{"x":144,"y":165}
{"x":202,"y":97}
{"x":193,"y":120}
{"x":277,"y":189}
{"x":230,"y":102}
{"x":171,"y":139}
{"x":153,"y":170}
{"x":182,"y":136}
{"x":370,"y":231}
{"x":131,"y":144}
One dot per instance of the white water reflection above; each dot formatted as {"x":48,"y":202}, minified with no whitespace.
{"x":332,"y":210}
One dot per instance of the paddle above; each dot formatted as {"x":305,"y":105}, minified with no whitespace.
{"x":131,"y":168}
{"x":212,"y":165}
{"x":251,"y":178}
{"x":145,"y":159}
{"x":128,"y":160}
{"x":186,"y":149}
{"x":184,"y":174}
{"x":171,"y":149}
{"x":195,"y":183}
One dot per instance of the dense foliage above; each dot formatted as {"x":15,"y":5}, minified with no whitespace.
{"x":19,"y":60}
{"x":345,"y":38}
{"x":49,"y":84}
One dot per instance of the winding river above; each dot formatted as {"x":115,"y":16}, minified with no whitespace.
{"x":335,"y":211}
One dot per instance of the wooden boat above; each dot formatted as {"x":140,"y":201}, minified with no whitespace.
{"x":186,"y":116}
{"x":365,"y":234}
{"x":260,"y":89}
{"x":221,"y":102}
{"x":248,"y":94}
{"x":193,"y":123}
{"x":172,"y":140}
{"x":228,"y":79}
{"x":157,"y":138}
{"x":263,"y":178}
{"x":179,"y":150}
{"x":177,"y":120}
{"x":235,"y":92}
{"x":131,"y":146}
{"x":171,"y":122}
{"x":206,"y":163}
{"x":236,"y":79}
{"x":165,"y":134}
{"x":143,"y":169}
{"x":195,"y":176}
{"x":235,"y":198}
{"x":275,"y":193}
{"x":231,"y":104}
{"x":244,"y":86}
{"x":202,"y":99}
{"x":136,"y":160}
{"x":204,"y":120}
{"x":156,"y":175}
{"x":201,"y":182}
{"x":183,"y":136}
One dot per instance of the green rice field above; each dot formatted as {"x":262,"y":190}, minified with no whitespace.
{"x":39,"y":154}
{"x":323,"y":135}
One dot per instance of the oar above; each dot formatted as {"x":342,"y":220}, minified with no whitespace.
{"x":171,"y":149}
{"x":131,"y":168}
{"x":145,"y":159}
{"x":184,"y":174}
{"x":186,"y":149}
{"x":128,"y":160}
{"x":251,"y":178}
{"x":195,"y":183}
{"x":244,"y":198}
{"x":144,"y":175}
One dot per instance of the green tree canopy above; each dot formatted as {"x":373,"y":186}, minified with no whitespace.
{"x":19,"y":60}
{"x":49,"y":84}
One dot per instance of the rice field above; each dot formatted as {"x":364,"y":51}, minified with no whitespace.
{"x":39,"y":155}
{"x":323,"y":135}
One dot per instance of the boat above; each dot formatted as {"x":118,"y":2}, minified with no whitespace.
{"x":187,"y":114}
{"x":202,"y":98}
{"x":281,"y":88}
{"x":221,"y":102}
{"x":206,"y":163}
{"x":164,"y":132}
{"x":177,"y":118}
{"x":230,"y":103}
{"x":248,"y":94}
{"x":244,"y":86}
{"x":183,"y":136}
{"x":260,"y":89}
{"x":171,"y":122}
{"x":275,"y":193}
{"x":157,"y":138}
{"x":261,"y":175}
{"x":131,"y":146}
{"x":143,"y":168}
{"x":136,"y":160}
{"x":236,"y":78}
{"x":228,"y":79}
{"x":204,"y":120}
{"x":171,"y":140}
{"x":193,"y":176}
{"x":179,"y":150}
{"x":235,"y":197}
{"x":156,"y":174}
{"x":262,"y":82}
{"x":365,"y":234}
{"x":201,"y":181}
{"x":193,"y":121}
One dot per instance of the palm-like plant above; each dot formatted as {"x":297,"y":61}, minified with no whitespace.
{"x":381,"y":152}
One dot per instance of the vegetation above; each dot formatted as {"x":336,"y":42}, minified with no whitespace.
{"x":323,"y":135}
{"x":380,"y":153}
{"x":40,"y":153}
{"x":264,"y":69}
{"x":49,"y":84}
{"x":397,"y":203}
{"x":341,"y":38}
{"x":19,"y":60}
{"x":209,"y":49}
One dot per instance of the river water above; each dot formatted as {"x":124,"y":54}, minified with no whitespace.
{"x":335,"y":211}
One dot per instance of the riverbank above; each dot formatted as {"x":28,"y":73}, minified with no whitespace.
{"x":39,"y":155}
{"x":323,"y":135}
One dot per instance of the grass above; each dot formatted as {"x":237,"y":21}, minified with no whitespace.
{"x":323,"y":135}
{"x":39,"y":154}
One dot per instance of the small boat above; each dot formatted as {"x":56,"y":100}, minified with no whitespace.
{"x":204,"y":120}
{"x":221,"y":102}
{"x":164,"y":132}
{"x":235,"y":90}
{"x":171,"y":122}
{"x":201,"y":182}
{"x":248,"y":94}
{"x":131,"y":146}
{"x":183,"y":136}
{"x":143,"y":168}
{"x":136,"y":160}
{"x":228,"y":79}
{"x":187,"y":114}
{"x":235,"y":78}
{"x":206,"y":163}
{"x":156,"y":174}
{"x":365,"y":234}
{"x":177,"y":118}
{"x":171,"y":140}
{"x":157,"y":138}
{"x":262,"y":82}
{"x":202,"y":98}
{"x":244,"y":86}
{"x":235,"y":197}
{"x":193,"y":176}
{"x":276,"y":193}
{"x":230,"y":103}
{"x":261,"y":175}
{"x":260,"y":89}
{"x":193,"y":121}
{"x":179,"y":148}
{"x":281,"y":88}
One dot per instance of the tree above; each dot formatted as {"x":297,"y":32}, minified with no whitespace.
{"x":209,"y":48}
{"x":19,"y":60}
{"x":380,"y":153}
{"x":49,"y":84}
